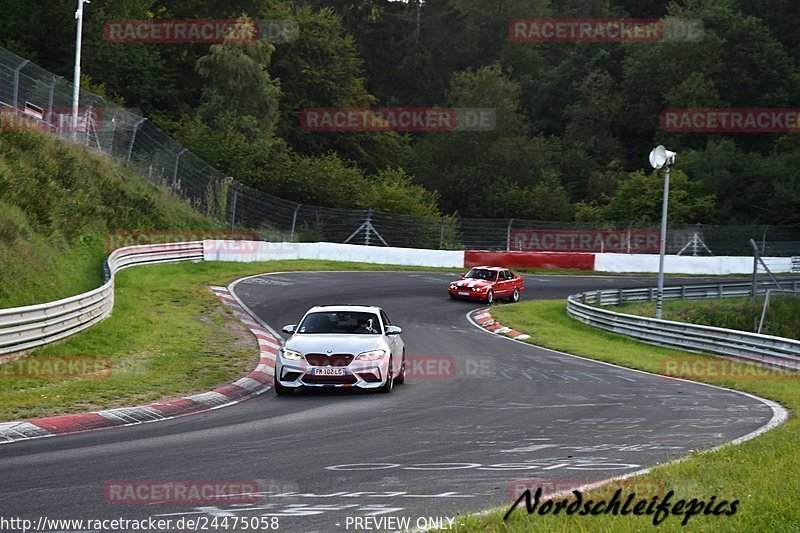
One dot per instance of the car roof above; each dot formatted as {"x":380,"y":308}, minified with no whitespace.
{"x":491,"y":267}
{"x":346,"y":307}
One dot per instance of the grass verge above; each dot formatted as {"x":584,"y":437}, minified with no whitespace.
{"x":763,"y":474}
{"x":167,"y":337}
{"x":782,"y":318}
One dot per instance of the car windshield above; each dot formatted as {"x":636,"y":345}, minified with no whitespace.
{"x":346,"y":322}
{"x":481,"y":273}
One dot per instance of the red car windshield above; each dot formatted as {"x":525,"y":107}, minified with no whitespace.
{"x":482,"y":273}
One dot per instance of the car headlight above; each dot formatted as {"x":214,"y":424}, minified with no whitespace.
{"x":291,"y":354}
{"x":372,"y":355}
{"x":453,"y":286}
{"x":479,"y":289}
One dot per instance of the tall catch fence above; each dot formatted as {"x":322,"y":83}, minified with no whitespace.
{"x":35,"y":97}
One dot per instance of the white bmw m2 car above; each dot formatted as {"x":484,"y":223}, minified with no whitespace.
{"x":341,"y":346}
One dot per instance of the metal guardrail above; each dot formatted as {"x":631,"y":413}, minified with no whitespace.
{"x":23,"y":328}
{"x":767,"y":349}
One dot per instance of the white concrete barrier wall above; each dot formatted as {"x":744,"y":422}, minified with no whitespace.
{"x":259,"y":251}
{"x":674,"y":264}
{"x":251,"y":252}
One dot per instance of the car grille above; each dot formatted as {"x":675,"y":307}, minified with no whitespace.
{"x":337,"y":359}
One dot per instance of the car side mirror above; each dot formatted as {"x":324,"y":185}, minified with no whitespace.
{"x":464,"y":275}
{"x":393,"y":330}
{"x":289,"y":329}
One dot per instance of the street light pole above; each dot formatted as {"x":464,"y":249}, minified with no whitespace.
{"x":659,"y":157}
{"x":663,"y":247}
{"x":76,"y":91}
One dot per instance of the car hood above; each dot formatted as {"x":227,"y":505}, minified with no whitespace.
{"x":335,"y":343}
{"x":470,"y":283}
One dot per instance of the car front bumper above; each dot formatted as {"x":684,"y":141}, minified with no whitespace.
{"x":466,"y":294}
{"x":293,"y":373}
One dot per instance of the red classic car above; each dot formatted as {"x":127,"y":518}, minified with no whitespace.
{"x":486,"y":284}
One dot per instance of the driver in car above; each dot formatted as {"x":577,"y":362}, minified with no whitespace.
{"x":364,"y":326}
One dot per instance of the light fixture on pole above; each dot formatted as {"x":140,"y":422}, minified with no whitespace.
{"x":76,"y":91}
{"x":660,"y":157}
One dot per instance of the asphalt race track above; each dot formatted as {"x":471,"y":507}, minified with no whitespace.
{"x":446,"y":442}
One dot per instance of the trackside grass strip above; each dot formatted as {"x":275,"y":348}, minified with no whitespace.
{"x":167,"y":337}
{"x":763,"y":473}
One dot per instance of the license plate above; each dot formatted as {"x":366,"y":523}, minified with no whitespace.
{"x":327,"y":371}
{"x":463,"y":293}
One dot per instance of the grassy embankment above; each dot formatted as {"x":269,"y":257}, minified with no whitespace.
{"x":168,"y":335}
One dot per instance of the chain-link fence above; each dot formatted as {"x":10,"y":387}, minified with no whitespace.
{"x":32,"y":95}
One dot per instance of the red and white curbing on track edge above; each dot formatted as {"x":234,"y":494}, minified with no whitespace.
{"x":485,"y":320}
{"x":253,"y":384}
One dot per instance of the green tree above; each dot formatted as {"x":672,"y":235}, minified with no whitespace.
{"x":639,"y":198}
{"x":233,"y":128}
{"x":473,"y":170}
{"x":392,"y":191}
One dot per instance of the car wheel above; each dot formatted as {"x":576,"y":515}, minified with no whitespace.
{"x":489,"y":297}
{"x":515,"y":295}
{"x":401,"y":377}
{"x":387,"y":387}
{"x":280,"y":390}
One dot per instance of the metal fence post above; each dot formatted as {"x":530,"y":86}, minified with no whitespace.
{"x":368,"y":227}
{"x":233,"y":208}
{"x":133,"y":139}
{"x":16,"y":83}
{"x":177,"y":162}
{"x":630,"y":235}
{"x":755,"y":272}
{"x":294,"y":221}
{"x":441,"y":232}
{"x":508,"y":235}
{"x":50,"y":96}
{"x":86,"y":124}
